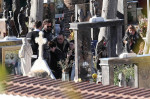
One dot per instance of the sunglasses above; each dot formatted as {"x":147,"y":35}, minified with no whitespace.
{"x":49,"y":26}
{"x":59,"y":38}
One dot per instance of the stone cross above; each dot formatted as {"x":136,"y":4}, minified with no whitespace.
{"x":41,"y":41}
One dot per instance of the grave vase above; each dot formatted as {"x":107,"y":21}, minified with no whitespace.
{"x":65,"y":76}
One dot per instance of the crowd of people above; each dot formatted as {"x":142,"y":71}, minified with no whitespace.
{"x":56,"y":49}
{"x":59,"y":48}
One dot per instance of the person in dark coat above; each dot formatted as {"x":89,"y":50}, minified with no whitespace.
{"x":47,"y":29}
{"x":32,"y":35}
{"x":62,"y":46}
{"x":132,"y":40}
{"x":57,"y":71}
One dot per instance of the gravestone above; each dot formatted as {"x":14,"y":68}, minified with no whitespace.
{"x":40,"y":63}
{"x":36,"y":12}
{"x":25,"y":54}
{"x":82,"y":36}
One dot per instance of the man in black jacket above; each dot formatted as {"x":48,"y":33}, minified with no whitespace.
{"x":62,"y":46}
{"x":32,"y":35}
{"x":47,"y":29}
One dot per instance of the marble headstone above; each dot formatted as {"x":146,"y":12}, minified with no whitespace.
{"x":40,"y":63}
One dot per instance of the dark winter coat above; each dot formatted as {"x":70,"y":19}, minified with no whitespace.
{"x":34,"y":45}
{"x":135,"y":40}
{"x":62,"y":49}
{"x":56,"y":69}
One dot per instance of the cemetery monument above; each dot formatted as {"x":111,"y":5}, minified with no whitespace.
{"x":25,"y":54}
{"x":40,"y":63}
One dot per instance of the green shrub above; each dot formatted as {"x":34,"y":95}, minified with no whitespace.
{"x":127,"y":70}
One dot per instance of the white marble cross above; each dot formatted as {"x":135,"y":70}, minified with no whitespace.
{"x":40,"y":63}
{"x":41,"y":41}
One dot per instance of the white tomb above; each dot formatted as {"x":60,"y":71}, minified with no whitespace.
{"x":40,"y":63}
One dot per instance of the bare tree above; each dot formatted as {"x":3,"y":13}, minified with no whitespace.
{"x":109,"y":11}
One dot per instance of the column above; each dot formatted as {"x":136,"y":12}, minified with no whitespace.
{"x":36,"y":12}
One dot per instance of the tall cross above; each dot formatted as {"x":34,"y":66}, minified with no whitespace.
{"x":41,"y":41}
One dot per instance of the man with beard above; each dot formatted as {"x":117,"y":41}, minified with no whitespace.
{"x":47,"y":29}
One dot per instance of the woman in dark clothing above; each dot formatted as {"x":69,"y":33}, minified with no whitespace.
{"x":57,"y":71}
{"x":132,"y":40}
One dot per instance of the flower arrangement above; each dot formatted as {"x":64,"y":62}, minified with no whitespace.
{"x":143,"y":25}
{"x":65,"y":64}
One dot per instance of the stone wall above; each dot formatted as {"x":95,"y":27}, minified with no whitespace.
{"x":141,"y":69}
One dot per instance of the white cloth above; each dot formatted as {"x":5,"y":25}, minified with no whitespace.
{"x":25,"y":54}
{"x":36,"y":30}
